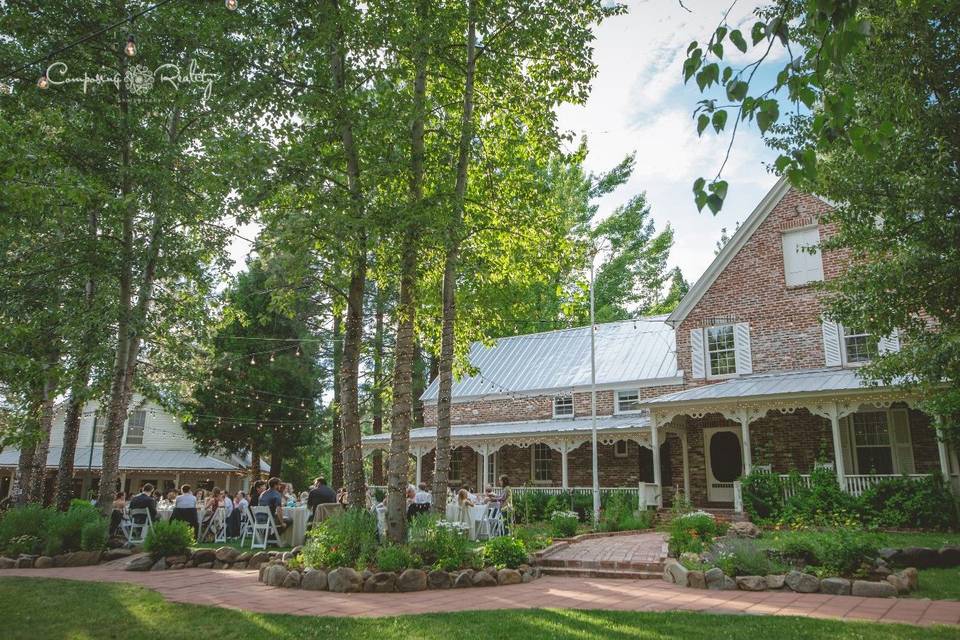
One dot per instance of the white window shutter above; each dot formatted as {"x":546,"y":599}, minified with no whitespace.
{"x":696,"y":354}
{"x":831,"y":343}
{"x":890,"y":343}
{"x":741,"y":338}
{"x":900,"y":436}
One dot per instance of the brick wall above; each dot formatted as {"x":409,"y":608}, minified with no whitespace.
{"x":785,"y":331}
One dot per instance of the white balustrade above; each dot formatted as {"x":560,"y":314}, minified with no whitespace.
{"x":854,"y":484}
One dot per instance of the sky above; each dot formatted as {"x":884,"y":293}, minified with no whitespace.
{"x":640,"y":104}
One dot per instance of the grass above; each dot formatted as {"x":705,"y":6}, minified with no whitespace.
{"x":102,"y":610}
{"x":919,"y":539}
{"x":939,"y":584}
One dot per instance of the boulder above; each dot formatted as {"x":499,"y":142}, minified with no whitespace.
{"x":899,"y":583}
{"x":383,"y":582}
{"x":744,"y":530}
{"x":695,"y":580}
{"x":314,"y":580}
{"x":263,"y":571}
{"x":365,"y":575}
{"x":508,"y":576}
{"x":239,"y":565}
{"x":244,"y":557}
{"x":7,"y":563}
{"x":751,"y":583}
{"x":949,"y":556}
{"x":172,"y":560}
{"x":116,"y":554}
{"x":775,"y":581}
{"x":912,"y":576}
{"x":257,"y":559}
{"x":920,"y":557}
{"x":43,"y":562}
{"x":802,"y":582}
{"x":835,"y":586}
{"x":296,"y":551}
{"x":275,"y":575}
{"x":292,"y":580}
{"x":159,"y":565}
{"x":439,"y":580}
{"x":286,"y":556}
{"x":675,"y":572}
{"x":713,"y":578}
{"x":888,"y":554}
{"x":867,"y":589}
{"x":77,"y":559}
{"x":179,"y":565}
{"x":524,"y":568}
{"x":141,"y":562}
{"x":463,"y":580}
{"x":344,"y":580}
{"x":203,"y":555}
{"x":412,"y":580}
{"x":25,"y":562}
{"x":492,"y":571}
{"x":484,"y":579}
{"x":205,"y":565}
{"x":526,"y":577}
{"x":729,"y":584}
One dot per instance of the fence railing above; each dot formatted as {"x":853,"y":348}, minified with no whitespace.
{"x":854,"y":484}
{"x":645,"y":493}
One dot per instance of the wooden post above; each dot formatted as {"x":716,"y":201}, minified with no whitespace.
{"x":942,"y":450}
{"x":745,"y":435}
{"x":564,"y":449}
{"x":655,"y":447}
{"x":837,"y":446}
{"x":686,"y":464}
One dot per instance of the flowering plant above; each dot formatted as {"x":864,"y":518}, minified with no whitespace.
{"x":563,"y":524}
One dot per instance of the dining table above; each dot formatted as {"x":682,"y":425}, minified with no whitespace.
{"x":296,"y":532}
{"x":468,"y":515}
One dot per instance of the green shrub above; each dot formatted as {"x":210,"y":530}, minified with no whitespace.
{"x":742,"y":557}
{"x":532,"y":506}
{"x":23,"y":544}
{"x":692,"y":532}
{"x":439,"y":543}
{"x":563,"y":524}
{"x":29,"y":520}
{"x":347,"y":539}
{"x":823,"y":504}
{"x":837,"y":552}
{"x":762,"y":496}
{"x":620,"y":514}
{"x":505,"y":551}
{"x":397,"y":558}
{"x":533,"y":538}
{"x":64,"y":529}
{"x":173,"y":538}
{"x":916,"y":503}
{"x":93,"y":535}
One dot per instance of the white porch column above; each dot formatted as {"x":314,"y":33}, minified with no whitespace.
{"x":686,"y":464}
{"x":745,"y":436}
{"x":942,"y":450}
{"x":176,"y":482}
{"x":837,"y":446}
{"x":418,"y":452}
{"x":226,"y":484}
{"x":655,"y":448}
{"x":565,"y":476}
{"x":484,"y":451}
{"x":123,"y":481}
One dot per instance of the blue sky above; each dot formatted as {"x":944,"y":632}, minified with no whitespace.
{"x":640,"y":104}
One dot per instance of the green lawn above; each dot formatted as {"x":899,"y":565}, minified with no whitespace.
{"x":939,"y":584}
{"x":919,"y":539}
{"x":34,"y":608}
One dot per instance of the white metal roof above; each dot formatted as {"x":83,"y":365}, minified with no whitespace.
{"x":628,"y":351}
{"x":131,"y":458}
{"x":535,"y":427}
{"x":769,"y":384}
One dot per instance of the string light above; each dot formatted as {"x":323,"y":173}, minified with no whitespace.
{"x":253,"y":361}
{"x":43,"y":82}
{"x":131,"y":47}
{"x":271,"y":357}
{"x":231,"y":5}
{"x":297,"y":353}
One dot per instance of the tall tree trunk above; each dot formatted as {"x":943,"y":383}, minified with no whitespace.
{"x":255,"y":471}
{"x":402,"y":415}
{"x":434,"y":368}
{"x":377,"y":403}
{"x":353,"y":330}
{"x":336,"y":447}
{"x":447,"y":337}
{"x":38,"y":475}
{"x":419,"y":386}
{"x":79,"y":387}
{"x":21,"y":491}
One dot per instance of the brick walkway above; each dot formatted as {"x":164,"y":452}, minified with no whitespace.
{"x":615,"y":552}
{"x":240,"y":590}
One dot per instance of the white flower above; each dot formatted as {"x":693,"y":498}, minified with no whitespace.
{"x":557,"y":515}
{"x":697,"y":513}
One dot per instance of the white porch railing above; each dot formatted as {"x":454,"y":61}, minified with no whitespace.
{"x":645,"y":493}
{"x":854,"y":484}
{"x":737,"y":497}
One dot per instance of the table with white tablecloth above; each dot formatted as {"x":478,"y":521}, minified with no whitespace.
{"x":468,"y":515}
{"x":296,"y":531}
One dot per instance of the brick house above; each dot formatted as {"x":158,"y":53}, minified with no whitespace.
{"x":744,"y":373}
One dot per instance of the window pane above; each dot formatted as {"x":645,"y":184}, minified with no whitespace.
{"x":542,"y":457}
{"x":456,"y":464}
{"x":563,"y":406}
{"x":97,"y":429}
{"x":628,"y":401}
{"x":135,"y":424}
{"x":721,"y":350}
{"x":859,"y":346}
{"x":875,"y":460}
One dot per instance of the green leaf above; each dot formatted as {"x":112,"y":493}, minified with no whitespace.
{"x":702,"y":123}
{"x":727,"y":72}
{"x":693,"y":45}
{"x":768,"y":114}
{"x":719,"y":188}
{"x":758,"y":32}
{"x":737,"y":90}
{"x":719,"y":120}
{"x":737,"y":39}
{"x":700,"y":199}
{"x":720,"y":33}
{"x":717,"y":50}
{"x":715,"y":203}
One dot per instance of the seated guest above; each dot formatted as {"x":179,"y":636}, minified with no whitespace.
{"x":210,"y":507}
{"x":463,"y":499}
{"x":319,"y":494}
{"x":422,"y":496}
{"x":272,"y":499}
{"x":145,"y":500}
{"x":411,"y":494}
{"x":258,"y":488}
{"x":169,"y":499}
{"x":116,"y":516}
{"x":185,"y":509}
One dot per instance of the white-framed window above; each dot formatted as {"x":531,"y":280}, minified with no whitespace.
{"x":800,"y":265}
{"x":541,"y":459}
{"x":721,"y":351}
{"x":136,"y":421}
{"x":628,"y":401}
{"x":880,"y":442}
{"x":456,"y":465}
{"x":98,"y":428}
{"x":858,"y":347}
{"x":563,"y":406}
{"x":621,"y":448}
{"x":491,"y":480}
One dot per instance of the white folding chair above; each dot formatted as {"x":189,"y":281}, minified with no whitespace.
{"x":246,"y":524}
{"x":491,"y":524}
{"x":217,"y":525}
{"x":264,"y":529}
{"x":138,"y":526}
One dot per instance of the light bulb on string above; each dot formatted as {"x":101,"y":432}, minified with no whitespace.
{"x":297,"y":353}
{"x":301,"y":404}
{"x":43,"y":82}
{"x":271,"y":357}
{"x":131,"y":47}
{"x":278,"y":400}
{"x":253,"y":361}
{"x":231,"y":5}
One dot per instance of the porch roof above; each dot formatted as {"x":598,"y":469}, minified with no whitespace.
{"x":815,"y":382}
{"x":503,"y":432}
{"x":132,"y":458}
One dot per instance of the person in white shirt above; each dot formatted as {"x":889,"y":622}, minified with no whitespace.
{"x":422,"y":496}
{"x":241,"y":502}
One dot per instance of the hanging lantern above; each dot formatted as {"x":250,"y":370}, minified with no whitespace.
{"x":43,"y":82}
{"x":131,"y":47}
{"x":231,"y":5}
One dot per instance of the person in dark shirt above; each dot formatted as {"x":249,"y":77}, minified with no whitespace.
{"x":320,"y":493}
{"x":256,"y":491}
{"x":144,"y":500}
{"x":272,"y":499}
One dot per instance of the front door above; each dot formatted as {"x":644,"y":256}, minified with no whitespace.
{"x":724,"y":462}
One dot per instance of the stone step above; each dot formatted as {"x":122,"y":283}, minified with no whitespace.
{"x":623,"y":574}
{"x":600,"y":565}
